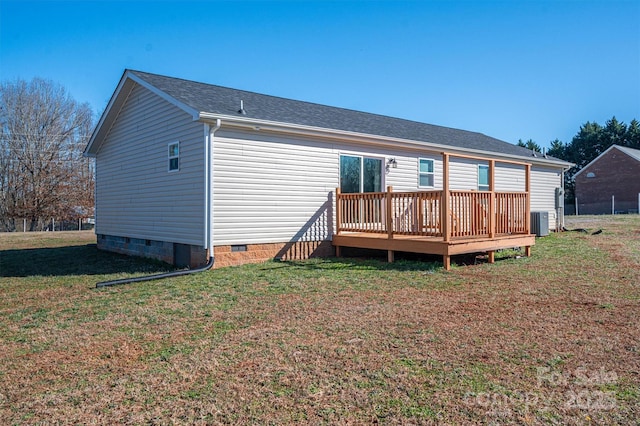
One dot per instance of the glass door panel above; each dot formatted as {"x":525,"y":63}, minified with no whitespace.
{"x":350,"y":174}
{"x":372,"y":175}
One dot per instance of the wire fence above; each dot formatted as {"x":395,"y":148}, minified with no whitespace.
{"x":53,"y":225}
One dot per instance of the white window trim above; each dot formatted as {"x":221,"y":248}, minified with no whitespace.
{"x":488,"y":185}
{"x":170,"y":157}
{"x":433,"y":173}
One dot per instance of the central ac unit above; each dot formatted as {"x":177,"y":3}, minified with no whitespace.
{"x":540,"y":223}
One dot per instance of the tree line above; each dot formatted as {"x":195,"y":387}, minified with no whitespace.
{"x":43,"y":173}
{"x":591,"y":140}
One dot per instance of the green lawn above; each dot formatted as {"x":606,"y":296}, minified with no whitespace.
{"x":551,"y":339}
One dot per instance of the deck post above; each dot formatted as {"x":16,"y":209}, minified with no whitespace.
{"x":390,"y":256}
{"x":338,"y":211}
{"x":491,"y":214}
{"x":527,"y":251}
{"x":492,"y":256}
{"x":420,"y":225}
{"x":527,"y":189}
{"x":444,"y":208}
{"x":446,"y":260}
{"x":389,"y":210}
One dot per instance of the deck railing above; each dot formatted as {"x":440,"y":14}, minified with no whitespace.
{"x":512,"y":213}
{"x":421,"y":213}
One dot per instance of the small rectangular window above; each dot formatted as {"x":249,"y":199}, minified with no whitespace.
{"x":425,"y":173}
{"x":483,"y":177}
{"x":174,"y":156}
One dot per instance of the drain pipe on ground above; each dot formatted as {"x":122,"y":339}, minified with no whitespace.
{"x":208,"y":232}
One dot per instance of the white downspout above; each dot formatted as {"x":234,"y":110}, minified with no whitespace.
{"x":208,"y":220}
{"x":208,"y":190}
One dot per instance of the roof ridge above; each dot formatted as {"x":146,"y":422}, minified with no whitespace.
{"x":312,"y":103}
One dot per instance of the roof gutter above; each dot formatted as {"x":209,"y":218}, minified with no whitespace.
{"x":363,"y":138}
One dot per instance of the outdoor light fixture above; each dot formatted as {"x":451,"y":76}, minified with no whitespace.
{"x":392,"y":163}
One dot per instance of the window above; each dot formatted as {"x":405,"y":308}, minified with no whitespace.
{"x":174,"y":156}
{"x":425,"y":172}
{"x":360,"y":174}
{"x":483,"y":177}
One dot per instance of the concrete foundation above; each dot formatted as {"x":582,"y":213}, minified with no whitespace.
{"x":191,"y":256}
{"x":228,"y":255}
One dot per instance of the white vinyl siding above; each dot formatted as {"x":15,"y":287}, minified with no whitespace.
{"x":135,"y":196}
{"x":271,"y":188}
{"x":544,"y":181}
{"x":463,"y":174}
{"x":278,"y":189}
{"x":268,"y":191}
{"x":509,"y":177}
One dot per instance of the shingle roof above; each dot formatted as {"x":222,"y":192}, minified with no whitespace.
{"x":207,"y":98}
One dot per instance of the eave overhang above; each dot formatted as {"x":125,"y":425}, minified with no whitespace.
{"x":256,"y":125}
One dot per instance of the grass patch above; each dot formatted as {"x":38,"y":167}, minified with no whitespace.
{"x":550,"y":339}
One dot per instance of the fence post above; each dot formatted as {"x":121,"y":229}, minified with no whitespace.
{"x":576,"y":202}
{"x":389,"y":209}
{"x":613,"y":204}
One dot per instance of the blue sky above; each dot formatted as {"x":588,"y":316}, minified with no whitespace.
{"x":509,"y":69}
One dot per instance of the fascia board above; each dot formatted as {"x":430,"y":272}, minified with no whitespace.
{"x":108,"y":116}
{"x":363,"y":138}
{"x":186,"y":108}
{"x":104,"y":118}
{"x":633,"y":153}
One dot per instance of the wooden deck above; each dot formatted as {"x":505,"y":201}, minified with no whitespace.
{"x":432,"y":245}
{"x":441,"y":222}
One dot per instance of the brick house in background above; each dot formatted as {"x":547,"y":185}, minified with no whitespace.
{"x":610,"y":183}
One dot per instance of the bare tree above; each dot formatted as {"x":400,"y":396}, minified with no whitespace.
{"x":43,"y":132}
